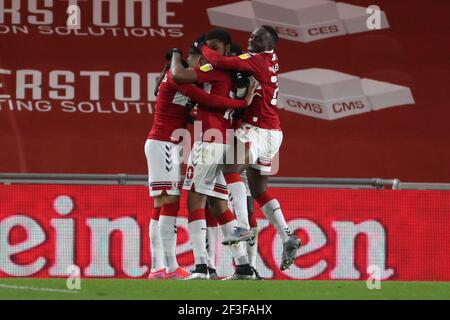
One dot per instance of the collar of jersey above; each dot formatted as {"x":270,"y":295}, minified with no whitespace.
{"x":252,"y":53}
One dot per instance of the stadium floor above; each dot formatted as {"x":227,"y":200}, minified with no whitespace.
{"x":55,"y":289}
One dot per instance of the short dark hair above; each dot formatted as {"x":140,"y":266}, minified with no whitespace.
{"x":219,"y":34}
{"x":236,"y":49}
{"x":272,"y":32}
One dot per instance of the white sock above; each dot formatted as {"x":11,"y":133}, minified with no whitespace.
{"x":238,"y":197}
{"x":211,"y":239}
{"x":252,"y":250}
{"x":167,"y":231}
{"x":228,"y":229}
{"x":239,"y":255}
{"x":197,"y":236}
{"x":273,"y":213}
{"x":155,"y":247}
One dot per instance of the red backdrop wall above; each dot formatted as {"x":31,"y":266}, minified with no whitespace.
{"x":410,"y":142}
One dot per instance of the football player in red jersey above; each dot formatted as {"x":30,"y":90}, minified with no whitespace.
{"x":204,"y":178}
{"x":162,"y":151}
{"x":260,"y":132}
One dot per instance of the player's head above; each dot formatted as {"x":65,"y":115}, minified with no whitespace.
{"x":263,"y":39}
{"x":235,"y":50}
{"x":195,"y":57}
{"x":219,"y":40}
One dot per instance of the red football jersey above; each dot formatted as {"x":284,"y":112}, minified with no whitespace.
{"x":171,"y":112}
{"x":216,"y":82}
{"x":264,"y":67}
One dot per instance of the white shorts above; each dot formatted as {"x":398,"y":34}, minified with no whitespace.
{"x":164,"y":167}
{"x":264,"y":145}
{"x":204,"y":171}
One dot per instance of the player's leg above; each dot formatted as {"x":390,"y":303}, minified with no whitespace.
{"x":236,"y":190}
{"x":207,"y":178}
{"x":168,"y":234}
{"x":252,"y":243}
{"x":157,"y":270}
{"x":272,"y":211}
{"x":227,"y":223}
{"x":269,"y":143}
{"x":164,"y":163}
{"x":197,"y":234}
{"x":232,"y":174}
{"x":211,"y":240}
{"x":200,"y":181}
{"x":268,"y":204}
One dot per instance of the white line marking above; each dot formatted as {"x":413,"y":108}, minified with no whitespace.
{"x":6,"y":286}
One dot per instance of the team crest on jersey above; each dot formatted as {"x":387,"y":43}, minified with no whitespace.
{"x":245,"y":56}
{"x":206,"y":67}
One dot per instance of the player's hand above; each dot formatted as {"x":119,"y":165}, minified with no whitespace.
{"x":192,"y":105}
{"x":251,"y":94}
{"x":200,"y":42}
{"x":170,"y":52}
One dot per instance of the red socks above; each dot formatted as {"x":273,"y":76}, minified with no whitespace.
{"x":225,"y":217}
{"x":198,"y":214}
{"x":232,"y":178}
{"x":210,"y":219}
{"x":252,"y":221}
{"x":170,"y":209}
{"x":264,"y":198}
{"x":156,"y":212}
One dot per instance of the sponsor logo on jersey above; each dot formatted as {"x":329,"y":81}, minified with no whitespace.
{"x":245,"y":56}
{"x":206,"y":67}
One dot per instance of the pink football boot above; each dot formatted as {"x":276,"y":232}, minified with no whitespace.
{"x":178,"y":274}
{"x":158,"y":275}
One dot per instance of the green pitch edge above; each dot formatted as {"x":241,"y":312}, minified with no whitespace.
{"x":213,"y":290}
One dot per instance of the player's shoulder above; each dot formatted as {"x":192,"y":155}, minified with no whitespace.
{"x":260,"y":55}
{"x":207,"y":68}
{"x":246,"y":56}
{"x":269,"y":55}
{"x":169,"y":83}
{"x":209,"y":72}
{"x":168,"y":77}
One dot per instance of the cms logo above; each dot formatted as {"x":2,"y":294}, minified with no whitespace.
{"x":323,"y":30}
{"x":312,"y":107}
{"x":348,"y":106}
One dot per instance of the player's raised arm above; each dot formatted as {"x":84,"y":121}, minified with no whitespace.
{"x":160,"y":78}
{"x":240,"y":63}
{"x":180,"y":74}
{"x":215,"y":101}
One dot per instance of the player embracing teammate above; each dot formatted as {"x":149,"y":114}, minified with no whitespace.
{"x":164,"y":159}
{"x":260,"y":133}
{"x":204,"y":178}
{"x":259,"y":139}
